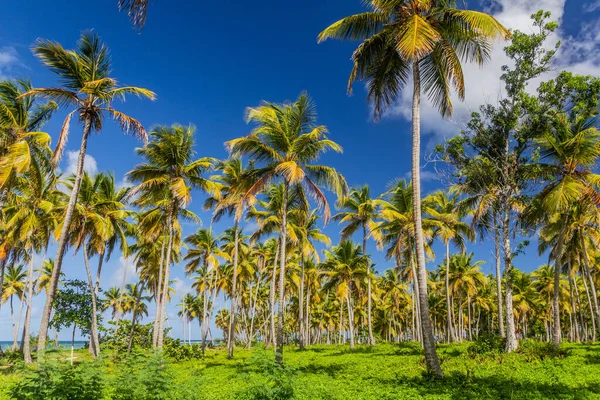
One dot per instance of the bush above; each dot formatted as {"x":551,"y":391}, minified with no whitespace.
{"x":176,"y":350}
{"x":486,"y":343}
{"x":59,"y":381}
{"x":280,"y":379}
{"x":535,"y":350}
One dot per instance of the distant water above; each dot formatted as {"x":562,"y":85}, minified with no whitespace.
{"x":63,"y":344}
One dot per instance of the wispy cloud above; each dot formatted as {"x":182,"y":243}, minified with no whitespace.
{"x":9,"y":58}
{"x":89,"y":163}
{"x":592,"y":6}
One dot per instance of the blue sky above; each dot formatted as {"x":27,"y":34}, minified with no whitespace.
{"x":207,"y":61}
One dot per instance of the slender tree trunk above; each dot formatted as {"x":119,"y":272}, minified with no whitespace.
{"x":253,"y":313}
{"x":417,"y":327}
{"x":469,"y":316}
{"x":431,"y":358}
{"x":94,"y":345}
{"x":2,"y":270}
{"x":231,"y":334}
{"x":272,"y":295}
{"x":134,"y":318}
{"x":204,"y":326}
{"x":369,"y":289}
{"x":497,"y":255}
{"x":575,"y":326}
{"x":73,"y":343}
{"x":588,"y":275}
{"x":282,"y":261}
{"x":14,"y":327}
{"x":556,"y":337}
{"x":62,"y":242}
{"x":301,"y":303}
{"x":511,"y":337}
{"x":27,"y":324}
{"x":587,"y":292}
{"x":450,"y":331}
{"x":165,"y":290}
{"x":307,"y":317}
{"x":158,"y":293}
{"x":350,"y":320}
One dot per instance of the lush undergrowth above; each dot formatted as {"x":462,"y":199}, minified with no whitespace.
{"x":328,"y":372}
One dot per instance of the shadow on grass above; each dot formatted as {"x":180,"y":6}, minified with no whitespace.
{"x":463,"y":386}
{"x":331,"y":369}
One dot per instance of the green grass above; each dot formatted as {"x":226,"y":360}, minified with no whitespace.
{"x":385,"y":372}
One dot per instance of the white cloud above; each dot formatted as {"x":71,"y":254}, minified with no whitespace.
{"x":426,"y":175}
{"x":8,"y":60}
{"x":592,"y":6}
{"x":579,"y":54}
{"x":181,"y":287}
{"x":89,"y":163}
{"x":126,"y":270}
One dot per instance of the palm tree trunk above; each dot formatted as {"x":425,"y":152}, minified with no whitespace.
{"x":253,"y":313}
{"x":204,"y":326}
{"x":574,"y":326}
{"x":301,"y":303}
{"x":26,"y":326}
{"x":165,"y":290}
{"x":94,"y":344}
{"x":2,"y":270}
{"x":350,"y":320}
{"x":134,"y":318}
{"x":230,"y":335}
{"x":73,"y":343}
{"x":158,"y":292}
{"x":498,"y":277}
{"x":511,"y":337}
{"x":12,"y":317}
{"x":431,"y":358}
{"x":587,"y":292}
{"x":450,"y":329}
{"x":556,"y":337}
{"x":62,"y":242}
{"x":587,"y":275}
{"x":369,"y":300}
{"x":272,"y":295}
{"x":282,"y":261}
{"x":307,"y":316}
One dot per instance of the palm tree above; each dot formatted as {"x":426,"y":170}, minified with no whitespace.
{"x":288,"y":141}
{"x":13,"y":285}
{"x":136,"y":11}
{"x":21,"y":143}
{"x":346,"y":268}
{"x":571,"y":147}
{"x":449,"y":227}
{"x":166,"y":180}
{"x":233,"y":185}
{"x":465,"y":279}
{"x":204,"y":252}
{"x":432,"y":38}
{"x":360,"y":212}
{"x":113,"y":298}
{"x":89,"y":89}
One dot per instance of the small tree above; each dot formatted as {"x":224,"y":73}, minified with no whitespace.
{"x":72,"y":308}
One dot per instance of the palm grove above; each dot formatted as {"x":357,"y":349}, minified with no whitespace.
{"x":522,"y":169}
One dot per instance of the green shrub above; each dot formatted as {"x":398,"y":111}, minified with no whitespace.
{"x":279,"y":384}
{"x":486,"y":343}
{"x":60,"y":381}
{"x":180,"y":351}
{"x":536,"y":350}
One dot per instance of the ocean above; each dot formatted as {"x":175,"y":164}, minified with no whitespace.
{"x":63,"y":344}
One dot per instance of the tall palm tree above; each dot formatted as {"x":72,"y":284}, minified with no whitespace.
{"x":91,"y":91}
{"x":14,"y":285}
{"x":346,"y":268}
{"x":359,"y":211}
{"x":113,"y":299}
{"x":233,"y":185}
{"x":288,"y":141}
{"x":465,"y":279}
{"x":166,"y":180}
{"x":449,"y":227}
{"x":204,"y":253}
{"x":432,"y":38}
{"x":570,"y":149}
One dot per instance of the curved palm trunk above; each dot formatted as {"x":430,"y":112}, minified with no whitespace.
{"x":369,"y":300}
{"x":204,"y":327}
{"x":498,"y":277}
{"x":511,"y":337}
{"x":433,"y":363}
{"x":94,"y":344}
{"x":231,"y":333}
{"x":26,"y":326}
{"x":282,"y":260}
{"x":163,"y":307}
{"x":62,"y":242}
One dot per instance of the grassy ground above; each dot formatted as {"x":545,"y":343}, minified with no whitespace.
{"x":385,"y":372}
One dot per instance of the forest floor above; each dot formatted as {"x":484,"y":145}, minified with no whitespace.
{"x":384,"y":372}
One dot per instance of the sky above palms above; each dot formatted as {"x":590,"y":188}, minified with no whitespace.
{"x":207,"y":61}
